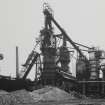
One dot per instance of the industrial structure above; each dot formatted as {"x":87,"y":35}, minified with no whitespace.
{"x":52,"y":64}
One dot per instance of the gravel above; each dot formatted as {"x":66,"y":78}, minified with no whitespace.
{"x":23,"y":97}
{"x":19,"y":97}
{"x":50,"y":94}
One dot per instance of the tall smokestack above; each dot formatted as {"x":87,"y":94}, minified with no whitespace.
{"x":17,"y":63}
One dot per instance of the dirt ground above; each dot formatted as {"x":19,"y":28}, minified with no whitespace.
{"x":45,"y":96}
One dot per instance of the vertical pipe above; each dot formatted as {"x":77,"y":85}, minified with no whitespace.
{"x":103,"y":84}
{"x":36,"y":71}
{"x":84,"y":88}
{"x":17,"y":63}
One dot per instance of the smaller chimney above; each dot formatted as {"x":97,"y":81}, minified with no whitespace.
{"x":17,"y":63}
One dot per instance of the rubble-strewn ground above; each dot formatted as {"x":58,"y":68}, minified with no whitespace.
{"x":51,"y":94}
{"x":45,"y":96}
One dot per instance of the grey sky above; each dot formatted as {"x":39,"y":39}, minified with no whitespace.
{"x":21,"y":21}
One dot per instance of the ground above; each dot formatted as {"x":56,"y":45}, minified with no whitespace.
{"x":45,"y":96}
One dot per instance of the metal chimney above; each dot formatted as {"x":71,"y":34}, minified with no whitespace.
{"x":17,"y":63}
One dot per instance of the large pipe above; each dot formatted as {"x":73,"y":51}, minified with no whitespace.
{"x":82,"y":45}
{"x":46,"y":12}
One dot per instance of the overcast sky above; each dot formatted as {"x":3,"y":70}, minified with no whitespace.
{"x":21,"y":21}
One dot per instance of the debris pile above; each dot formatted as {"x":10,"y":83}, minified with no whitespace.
{"x":7,"y":99}
{"x":45,"y":94}
{"x":78,"y":95}
{"x":22,"y":96}
{"x":50,"y":94}
{"x":19,"y":97}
